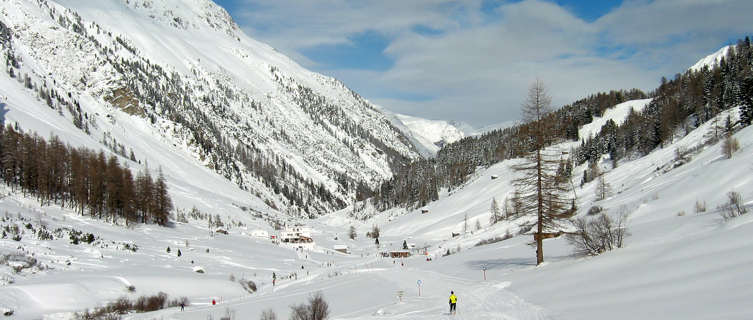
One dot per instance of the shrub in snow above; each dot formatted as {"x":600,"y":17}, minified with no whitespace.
{"x":594,"y":236}
{"x":7,"y":312}
{"x":131,"y":247}
{"x":229,"y":314}
{"x":268,"y":314}
{"x":595,"y":210}
{"x":316,"y":309}
{"x":120,"y":306}
{"x":248,"y":285}
{"x":43,"y":234}
{"x":700,"y":206}
{"x":734,"y":206}
{"x":150,"y":303}
{"x":730,"y":146}
{"x":19,"y":262}
{"x":507,"y":235}
{"x":178,"y":302}
{"x":198,"y":269}
{"x":123,"y":305}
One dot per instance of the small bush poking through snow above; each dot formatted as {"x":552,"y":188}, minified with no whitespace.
{"x":596,"y":235}
{"x":150,"y":303}
{"x":730,"y":146}
{"x":268,"y":314}
{"x":122,"y":305}
{"x":734,"y":206}
{"x":19,"y":262}
{"x":595,"y":210}
{"x":178,"y":302}
{"x":700,"y":206}
{"x":316,"y":309}
{"x":248,"y":285}
{"x":507,"y":235}
{"x":130,"y":247}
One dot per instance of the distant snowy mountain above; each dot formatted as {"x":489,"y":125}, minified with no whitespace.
{"x":711,"y":60}
{"x":185,"y":75}
{"x":429,"y":135}
{"x":495,"y":126}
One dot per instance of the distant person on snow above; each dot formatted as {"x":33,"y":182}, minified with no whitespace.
{"x":453,"y":302}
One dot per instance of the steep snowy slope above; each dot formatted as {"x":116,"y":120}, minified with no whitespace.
{"x":618,"y":114}
{"x":711,"y":60}
{"x":300,"y":141}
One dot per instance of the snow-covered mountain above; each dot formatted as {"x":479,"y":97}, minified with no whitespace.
{"x":185,"y":75}
{"x":682,"y":260}
{"x":711,"y":60}
{"x":428,"y":135}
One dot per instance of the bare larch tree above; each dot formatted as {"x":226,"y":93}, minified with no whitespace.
{"x":540,"y":191}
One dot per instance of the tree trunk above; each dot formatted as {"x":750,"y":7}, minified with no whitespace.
{"x":540,"y":216}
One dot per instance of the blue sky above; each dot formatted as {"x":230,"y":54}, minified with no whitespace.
{"x":473,"y":60}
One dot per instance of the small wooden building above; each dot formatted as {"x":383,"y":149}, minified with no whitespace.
{"x":400,"y":254}
{"x":341,"y":248}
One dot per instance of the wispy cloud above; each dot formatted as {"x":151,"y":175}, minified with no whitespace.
{"x":472,"y":61}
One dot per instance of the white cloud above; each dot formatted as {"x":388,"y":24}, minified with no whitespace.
{"x":477,"y":70}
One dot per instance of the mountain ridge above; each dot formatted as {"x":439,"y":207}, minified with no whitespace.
{"x":235,"y":105}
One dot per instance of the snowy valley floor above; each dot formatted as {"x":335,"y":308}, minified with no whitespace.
{"x":677,"y":263}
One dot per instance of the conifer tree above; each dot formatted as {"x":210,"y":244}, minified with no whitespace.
{"x":746,"y":100}
{"x":495,"y":212}
{"x":162,"y":202}
{"x":144,"y":195}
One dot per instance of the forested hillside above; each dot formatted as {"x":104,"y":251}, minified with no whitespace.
{"x":677,"y":106}
{"x":81,"y":179}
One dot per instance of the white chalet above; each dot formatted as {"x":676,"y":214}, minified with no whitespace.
{"x":298,"y":235}
{"x":259,"y":233}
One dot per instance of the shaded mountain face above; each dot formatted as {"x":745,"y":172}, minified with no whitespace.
{"x":429,"y":136}
{"x":302,"y":142}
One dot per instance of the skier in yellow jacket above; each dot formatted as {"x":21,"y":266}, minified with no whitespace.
{"x":453,"y":302}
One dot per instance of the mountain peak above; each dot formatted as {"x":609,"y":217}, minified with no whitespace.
{"x":711,"y":60}
{"x":185,"y":14}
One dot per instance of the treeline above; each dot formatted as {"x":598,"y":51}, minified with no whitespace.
{"x":678,"y":107}
{"x":81,"y":179}
{"x":419,"y":183}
